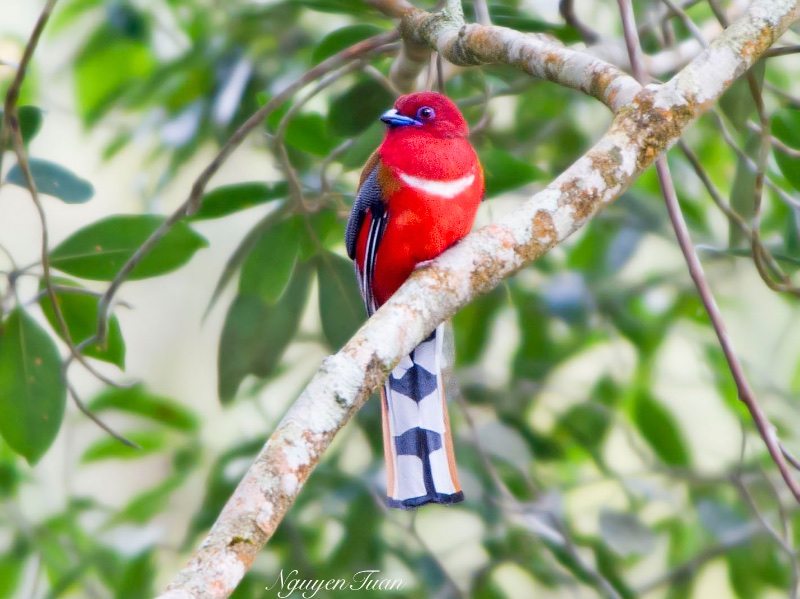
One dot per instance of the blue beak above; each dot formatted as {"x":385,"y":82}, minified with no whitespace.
{"x":393,"y":119}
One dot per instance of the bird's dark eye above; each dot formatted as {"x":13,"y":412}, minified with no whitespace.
{"x":425,"y":113}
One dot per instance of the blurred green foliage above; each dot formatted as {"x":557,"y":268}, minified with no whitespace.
{"x":185,"y":75}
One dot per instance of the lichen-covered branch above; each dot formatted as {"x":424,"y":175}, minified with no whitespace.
{"x":539,"y":56}
{"x":648,"y":122}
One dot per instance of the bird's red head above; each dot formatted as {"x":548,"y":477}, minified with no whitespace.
{"x":430,"y":112}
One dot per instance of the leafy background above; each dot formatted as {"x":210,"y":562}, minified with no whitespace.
{"x":598,"y":433}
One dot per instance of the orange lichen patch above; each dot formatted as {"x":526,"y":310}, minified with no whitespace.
{"x":477,"y":44}
{"x":543,"y":228}
{"x":487,"y":270}
{"x":600,"y":82}
{"x":653,"y":128}
{"x":606,"y":164}
{"x":582,"y":200}
{"x":756,"y":47}
{"x":749,"y":48}
{"x":552,"y":61}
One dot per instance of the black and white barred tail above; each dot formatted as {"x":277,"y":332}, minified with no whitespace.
{"x":420,"y":463}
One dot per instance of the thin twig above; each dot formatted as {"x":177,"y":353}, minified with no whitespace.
{"x":776,"y":143}
{"x":4,"y":249}
{"x":782,"y":541}
{"x":392,"y":8}
{"x":696,"y":32}
{"x":789,"y":456}
{"x":751,"y":164}
{"x":785,"y":51}
{"x":567,"y":10}
{"x":439,"y":73}
{"x":387,"y":83}
{"x":481,"y":12}
{"x":732,"y":215}
{"x":333,"y":156}
{"x":746,"y":395}
{"x":632,"y":41}
{"x":763,"y":155}
{"x":93,"y":417}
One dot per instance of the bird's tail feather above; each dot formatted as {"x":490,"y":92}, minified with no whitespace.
{"x":420,"y":462}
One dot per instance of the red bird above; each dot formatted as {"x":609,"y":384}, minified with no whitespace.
{"x":418,"y":195}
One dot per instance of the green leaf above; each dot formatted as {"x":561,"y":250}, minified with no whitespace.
{"x":99,"y":250}
{"x":269,"y":265}
{"x":340,"y":304}
{"x":137,"y":579}
{"x":720,"y":519}
{"x":756,"y":564}
{"x":12,"y":564}
{"x":363,"y":146}
{"x":473,"y":324}
{"x":737,"y":102}
{"x":138,"y":400}
{"x":80,"y":313}
{"x":256,"y":334}
{"x":241,"y":252}
{"x":612,"y":569}
{"x":308,"y":132}
{"x":534,"y":356}
{"x":358,"y":108}
{"x":742,"y":194}
{"x":67,"y":13}
{"x":32,"y":392}
{"x":603,"y":248}
{"x":659,"y":428}
{"x":340,"y":39}
{"x":337,"y":7}
{"x":328,"y":232}
{"x":148,"y":504}
{"x":228,"y":199}
{"x":786,"y":127}
{"x":11,"y":475}
{"x":105,"y":72}
{"x":504,"y":172}
{"x":109,"y":448}
{"x":625,"y":533}
{"x":587,"y":423}
{"x":54,"y":180}
{"x":30,"y":121}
